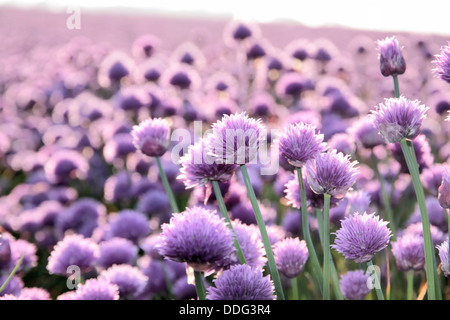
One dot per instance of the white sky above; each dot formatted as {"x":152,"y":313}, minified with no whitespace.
{"x":430,"y":16}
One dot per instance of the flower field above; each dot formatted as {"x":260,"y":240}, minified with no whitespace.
{"x":150,"y":158}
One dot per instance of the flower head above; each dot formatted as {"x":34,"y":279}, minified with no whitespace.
{"x":291,"y":255}
{"x":444,"y":189}
{"x":444,"y":256}
{"x":361,"y":236}
{"x":130,"y":224}
{"x":442,"y":63}
{"x":391,"y":57}
{"x":199,"y":237}
{"x":116,"y":251}
{"x":236,"y":138}
{"x":97,"y":289}
{"x":198,"y":167}
{"x":399,"y":118}
{"x":366,"y":134}
{"x":72,"y":250}
{"x":130,"y":280}
{"x":331,"y":173}
{"x":65,"y":165}
{"x":241,"y":282}
{"x":354,"y":285}
{"x":151,"y":136}
{"x":299,"y":143}
{"x":409,"y":252}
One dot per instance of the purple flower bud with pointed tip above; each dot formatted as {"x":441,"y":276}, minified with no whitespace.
{"x":299,"y":143}
{"x":331,"y":173}
{"x":444,"y":256}
{"x":236,"y":138}
{"x":361,"y":236}
{"x":399,"y":118}
{"x":444,"y":189}
{"x":354,"y":285}
{"x":291,"y":255}
{"x":151,"y":136}
{"x":442,"y":63}
{"x":199,"y":167}
{"x":241,"y":282}
{"x":198,"y":237}
{"x":391,"y":57}
{"x":409,"y":252}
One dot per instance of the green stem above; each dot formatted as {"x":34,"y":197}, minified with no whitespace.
{"x":294,"y":284}
{"x":162,"y":174}
{"x":334,"y":275}
{"x":396,"y":86}
{"x":378,"y":290}
{"x":326,"y":247}
{"x":306,"y":232}
{"x":199,"y":285}
{"x":386,"y":201}
{"x":411,"y":161}
{"x":13,"y":272}
{"x":410,"y":280}
{"x":264,"y":236}
{"x":224,"y":212}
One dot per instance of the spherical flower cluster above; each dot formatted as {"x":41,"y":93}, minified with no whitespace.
{"x":299,"y":143}
{"x":151,"y":136}
{"x":198,"y":237}
{"x":241,"y":282}
{"x":199,"y":167}
{"x":409,"y":252}
{"x":399,"y":118}
{"x":130,"y":280}
{"x":361,"y":236}
{"x":331,"y":173}
{"x":354,"y":285}
{"x":291,"y":255}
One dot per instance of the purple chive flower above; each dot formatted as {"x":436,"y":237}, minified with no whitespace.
{"x":151,"y":136}
{"x":291,"y":255}
{"x":366,"y":134}
{"x":431,"y":178}
{"x":314,"y":200}
{"x":331,"y":173}
{"x":399,"y":118}
{"x":391,"y":57}
{"x":241,"y":282}
{"x":236,"y":138}
{"x":116,"y":251}
{"x":97,"y":289}
{"x":444,"y":189}
{"x":198,"y":237}
{"x":361,"y":236}
{"x":72,"y":250}
{"x":144,"y":46}
{"x":416,"y":229}
{"x":14,"y":286}
{"x":409,"y":252}
{"x":299,"y":143}
{"x":130,"y":280}
{"x":354,"y":285}
{"x":444,"y":256}
{"x":183,"y":290}
{"x":34,"y":293}
{"x":30,"y":259}
{"x":291,"y":85}
{"x":442,"y":63}
{"x":130,"y":224}
{"x":199,"y":167}
{"x":65,"y":165}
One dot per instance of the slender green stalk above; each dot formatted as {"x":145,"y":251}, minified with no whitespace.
{"x":409,"y":154}
{"x":396,"y":86}
{"x":162,"y":174}
{"x":264,"y":236}
{"x":199,"y":285}
{"x":334,"y":275}
{"x":294,"y":284}
{"x":224,"y":212}
{"x":410,"y":280}
{"x":386,"y":200}
{"x":326,"y":247}
{"x":306,"y":232}
{"x":13,"y":272}
{"x":377,"y":285}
